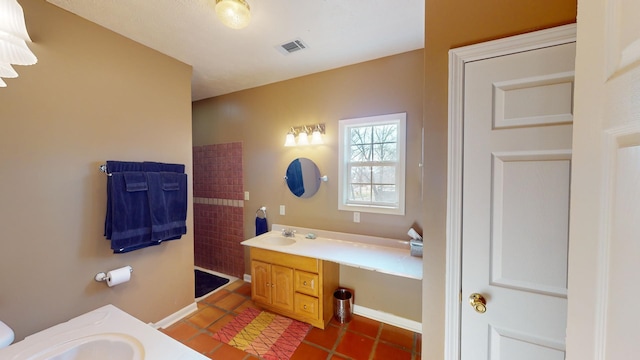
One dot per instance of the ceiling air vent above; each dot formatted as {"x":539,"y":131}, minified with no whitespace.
{"x":292,"y":46}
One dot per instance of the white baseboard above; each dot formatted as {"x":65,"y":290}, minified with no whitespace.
{"x":377,"y":315}
{"x":175,"y":317}
{"x":388,"y":318}
{"x":193,"y":307}
{"x":358,"y":310}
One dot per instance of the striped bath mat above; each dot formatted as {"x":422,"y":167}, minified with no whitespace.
{"x":267,"y":335}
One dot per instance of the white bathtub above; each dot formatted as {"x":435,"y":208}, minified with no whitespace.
{"x":106,"y":333}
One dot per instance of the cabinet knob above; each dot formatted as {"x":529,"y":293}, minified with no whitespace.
{"x":268,"y":284}
{"x":305,"y":307}
{"x":273,"y":285}
{"x":304,"y":283}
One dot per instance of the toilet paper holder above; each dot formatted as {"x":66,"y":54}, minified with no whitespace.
{"x":103,"y":276}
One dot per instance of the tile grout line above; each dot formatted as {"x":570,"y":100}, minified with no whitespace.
{"x":343,"y":331}
{"x":375,"y":342}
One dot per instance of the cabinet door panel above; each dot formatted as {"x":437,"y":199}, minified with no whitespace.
{"x":282,"y":292}
{"x":260,"y":282}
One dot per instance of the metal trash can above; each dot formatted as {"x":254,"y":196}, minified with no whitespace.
{"x":342,"y":305}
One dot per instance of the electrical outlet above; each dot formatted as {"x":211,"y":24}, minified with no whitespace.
{"x":356,"y":217}
{"x":246,"y":195}
{"x":281,"y":209}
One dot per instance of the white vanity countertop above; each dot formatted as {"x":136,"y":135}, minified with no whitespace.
{"x":384,"y":255}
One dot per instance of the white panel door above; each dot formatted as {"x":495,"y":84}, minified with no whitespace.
{"x":604,"y":311}
{"x":515,"y":207}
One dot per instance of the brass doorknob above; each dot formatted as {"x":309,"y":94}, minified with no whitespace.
{"x":478,"y":303}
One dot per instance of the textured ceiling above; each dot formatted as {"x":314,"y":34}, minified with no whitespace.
{"x":337,"y":33}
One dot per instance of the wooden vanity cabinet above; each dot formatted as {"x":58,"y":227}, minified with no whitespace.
{"x":295,"y":286}
{"x":273,"y":284}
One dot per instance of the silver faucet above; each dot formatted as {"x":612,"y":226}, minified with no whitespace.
{"x":288,"y":232}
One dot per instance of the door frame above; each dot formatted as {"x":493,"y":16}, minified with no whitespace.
{"x":457,"y":59}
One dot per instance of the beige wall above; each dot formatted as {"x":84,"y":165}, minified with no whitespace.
{"x":260,"y":118}
{"x":450,"y":24}
{"x":93,"y":96}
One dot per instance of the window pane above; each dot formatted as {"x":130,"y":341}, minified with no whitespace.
{"x":360,"y":135}
{"x":372,"y":163}
{"x":384,"y":174}
{"x":359,"y":192}
{"x":385,"y":133}
{"x":385,"y":194}
{"x":361,"y":152}
{"x":385,"y":152}
{"x":360,"y":174}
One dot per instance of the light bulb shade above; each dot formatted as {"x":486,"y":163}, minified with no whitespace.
{"x":14,"y":50}
{"x":12,"y":19}
{"x":13,"y":34}
{"x":233,"y":13}
{"x":290,"y":140}
{"x":6,"y":71}
{"x":316,"y":137}
{"x":303,"y":139}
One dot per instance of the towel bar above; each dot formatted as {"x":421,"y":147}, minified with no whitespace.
{"x":103,"y":168}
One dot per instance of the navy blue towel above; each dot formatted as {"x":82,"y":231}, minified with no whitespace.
{"x":116,"y":167}
{"x":129,"y":215}
{"x":140,"y":213}
{"x":261,"y":226}
{"x":150,"y":166}
{"x":294,"y":178}
{"x":168,"y":204}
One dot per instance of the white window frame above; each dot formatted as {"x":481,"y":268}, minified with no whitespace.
{"x":343,"y":169}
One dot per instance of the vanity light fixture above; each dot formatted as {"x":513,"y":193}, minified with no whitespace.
{"x":302,"y":133}
{"x":13,"y":37}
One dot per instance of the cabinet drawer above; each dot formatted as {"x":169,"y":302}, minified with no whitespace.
{"x":294,"y":261}
{"x":306,"y":306}
{"x":306,"y":283}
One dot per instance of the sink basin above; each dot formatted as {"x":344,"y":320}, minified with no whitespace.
{"x":279,"y":240}
{"x":97,"y":347}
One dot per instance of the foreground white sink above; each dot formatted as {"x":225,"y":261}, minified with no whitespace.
{"x":106,"y":333}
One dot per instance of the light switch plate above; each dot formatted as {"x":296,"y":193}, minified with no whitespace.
{"x":281,"y":209}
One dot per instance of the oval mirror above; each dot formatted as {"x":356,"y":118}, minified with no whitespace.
{"x":303,"y":178}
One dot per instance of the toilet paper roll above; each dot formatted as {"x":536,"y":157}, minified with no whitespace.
{"x":118,"y":276}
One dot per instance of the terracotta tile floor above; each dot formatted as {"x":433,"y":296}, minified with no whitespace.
{"x":360,"y":339}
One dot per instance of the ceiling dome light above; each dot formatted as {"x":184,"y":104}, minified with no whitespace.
{"x":233,"y":13}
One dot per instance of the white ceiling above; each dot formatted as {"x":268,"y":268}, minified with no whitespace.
{"x":337,"y":33}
